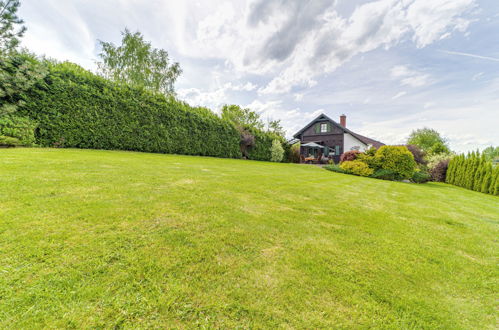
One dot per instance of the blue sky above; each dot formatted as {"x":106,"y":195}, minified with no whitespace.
{"x":390,"y":65}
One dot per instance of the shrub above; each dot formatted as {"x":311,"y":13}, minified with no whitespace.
{"x":396,"y":159}
{"x":420,"y":177}
{"x":334,"y":168}
{"x":21,"y":129}
{"x":276,"y":151}
{"x":418,"y":154}
{"x":356,"y":167}
{"x":86,"y":111}
{"x":294,"y":153}
{"x":433,"y":160}
{"x":261,"y":149}
{"x":439,"y":171}
{"x":370,"y":160}
{"x":384,"y":174}
{"x":7,"y":141}
{"x":349,"y":156}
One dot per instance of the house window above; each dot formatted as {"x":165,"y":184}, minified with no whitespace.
{"x":324,"y":128}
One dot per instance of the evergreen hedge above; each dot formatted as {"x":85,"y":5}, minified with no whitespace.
{"x":474,"y":172}
{"x":75,"y":108}
{"x":263,"y":144}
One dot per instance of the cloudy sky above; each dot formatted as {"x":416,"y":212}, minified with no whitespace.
{"x":390,"y":65}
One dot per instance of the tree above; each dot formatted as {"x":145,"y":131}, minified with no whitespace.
{"x":491,"y":153}
{"x":244,"y":118}
{"x":136,"y":62}
{"x":19,"y":71}
{"x":429,"y":140}
{"x":9,"y":33}
{"x":276,"y":151}
{"x":274,"y":126}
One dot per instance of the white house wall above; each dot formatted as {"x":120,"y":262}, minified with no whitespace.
{"x":351,"y":143}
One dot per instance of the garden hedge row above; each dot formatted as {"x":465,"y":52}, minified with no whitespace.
{"x":474,"y":172}
{"x":75,"y":108}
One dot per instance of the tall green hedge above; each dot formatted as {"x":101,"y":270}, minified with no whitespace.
{"x":75,"y":108}
{"x":474,"y":172}
{"x":263,"y":144}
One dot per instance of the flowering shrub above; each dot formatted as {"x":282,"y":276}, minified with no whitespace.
{"x":356,"y":167}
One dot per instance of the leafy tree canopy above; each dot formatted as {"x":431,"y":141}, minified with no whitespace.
{"x":11,"y":28}
{"x":429,"y":140}
{"x":274,"y":126}
{"x":137,"y":63}
{"x":491,"y":153}
{"x":242,"y":117}
{"x":19,"y":71}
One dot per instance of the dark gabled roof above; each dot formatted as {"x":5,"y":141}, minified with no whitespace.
{"x":362,"y":138}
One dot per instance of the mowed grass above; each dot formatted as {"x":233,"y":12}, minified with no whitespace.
{"x":101,"y":239}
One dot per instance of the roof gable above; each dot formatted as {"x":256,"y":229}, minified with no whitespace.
{"x":323,"y":117}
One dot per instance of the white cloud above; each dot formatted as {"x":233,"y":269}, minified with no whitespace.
{"x":373,"y":25}
{"x":409,"y":77}
{"x":398,"y":95}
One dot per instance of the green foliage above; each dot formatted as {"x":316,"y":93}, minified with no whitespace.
{"x":420,"y":177}
{"x":22,"y":129}
{"x":397,"y":159}
{"x":491,"y":153}
{"x":294,"y":153}
{"x":8,"y":141}
{"x":19,"y":72}
{"x":261,"y":150}
{"x":334,"y":168}
{"x":429,"y":140}
{"x":275,"y":127}
{"x":473,"y":172}
{"x":9,"y":33}
{"x":356,"y":167}
{"x":242,"y":117}
{"x":385,"y":174}
{"x":75,"y":108}
{"x":276,"y":151}
{"x":370,"y":159}
{"x":136,"y":63}
{"x":434,"y":159}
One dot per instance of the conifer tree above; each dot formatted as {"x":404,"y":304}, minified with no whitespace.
{"x":494,"y":181}
{"x":470,"y":174}
{"x":479,"y":173}
{"x":487,"y":179}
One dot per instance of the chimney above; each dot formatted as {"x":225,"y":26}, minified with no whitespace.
{"x":343,"y":120}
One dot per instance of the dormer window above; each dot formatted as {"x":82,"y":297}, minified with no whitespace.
{"x":324,"y":128}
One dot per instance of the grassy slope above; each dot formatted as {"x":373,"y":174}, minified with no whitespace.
{"x":99,"y":238}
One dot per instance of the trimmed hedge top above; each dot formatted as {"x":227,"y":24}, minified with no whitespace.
{"x":75,"y":108}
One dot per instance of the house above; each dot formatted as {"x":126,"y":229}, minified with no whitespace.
{"x":323,"y":137}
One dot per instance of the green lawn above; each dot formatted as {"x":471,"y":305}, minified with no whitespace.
{"x":104,"y":239}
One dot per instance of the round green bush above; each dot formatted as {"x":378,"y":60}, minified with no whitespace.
{"x":397,"y":159}
{"x":356,"y":167}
